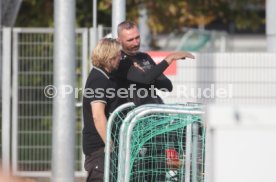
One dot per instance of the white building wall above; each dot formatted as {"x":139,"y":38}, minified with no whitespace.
{"x":247,"y":78}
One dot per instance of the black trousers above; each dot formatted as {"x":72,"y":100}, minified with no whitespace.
{"x":94,"y":165}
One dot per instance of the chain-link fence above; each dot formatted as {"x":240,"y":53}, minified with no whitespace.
{"x":29,"y":54}
{"x":32,"y":109}
{"x":1,"y":50}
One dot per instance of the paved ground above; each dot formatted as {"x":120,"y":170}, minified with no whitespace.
{"x":47,"y":180}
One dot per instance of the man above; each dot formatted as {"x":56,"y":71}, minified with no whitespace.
{"x":98,"y":102}
{"x":140,"y":75}
{"x":137,"y":70}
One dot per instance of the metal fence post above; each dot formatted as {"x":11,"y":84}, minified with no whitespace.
{"x":85,"y":70}
{"x":15,"y":101}
{"x":270,"y":26}
{"x":100,"y":32}
{"x":188,"y":153}
{"x":194,"y":151}
{"x":6,"y":99}
{"x":118,"y":14}
{"x":63,"y":140}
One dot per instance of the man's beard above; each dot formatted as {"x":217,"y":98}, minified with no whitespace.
{"x":135,"y":49}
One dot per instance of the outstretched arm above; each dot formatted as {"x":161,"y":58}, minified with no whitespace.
{"x":163,"y":83}
{"x":148,"y":76}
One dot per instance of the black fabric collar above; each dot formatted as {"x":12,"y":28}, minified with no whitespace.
{"x":103,"y":71}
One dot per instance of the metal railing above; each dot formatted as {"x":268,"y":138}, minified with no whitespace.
{"x":177,"y":117}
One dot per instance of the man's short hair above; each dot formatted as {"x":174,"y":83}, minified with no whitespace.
{"x":125,"y":25}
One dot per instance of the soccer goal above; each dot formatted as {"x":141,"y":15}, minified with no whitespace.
{"x":159,"y":143}
{"x":112,"y":140}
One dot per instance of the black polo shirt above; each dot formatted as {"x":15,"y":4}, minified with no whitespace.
{"x":152,"y":76}
{"x":99,"y":87}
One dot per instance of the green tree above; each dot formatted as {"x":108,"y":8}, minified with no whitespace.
{"x":164,"y":15}
{"x":40,"y":13}
{"x":169,"y":15}
{"x":35,"y":13}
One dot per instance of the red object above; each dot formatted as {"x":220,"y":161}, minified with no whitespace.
{"x":171,"y":154}
{"x":158,"y":56}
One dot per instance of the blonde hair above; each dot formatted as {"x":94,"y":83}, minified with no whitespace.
{"x":105,"y":50}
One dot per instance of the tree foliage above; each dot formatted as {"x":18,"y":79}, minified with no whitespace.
{"x":163,"y":15}
{"x":40,"y":13}
{"x":168,"y":15}
{"x":35,"y":13}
